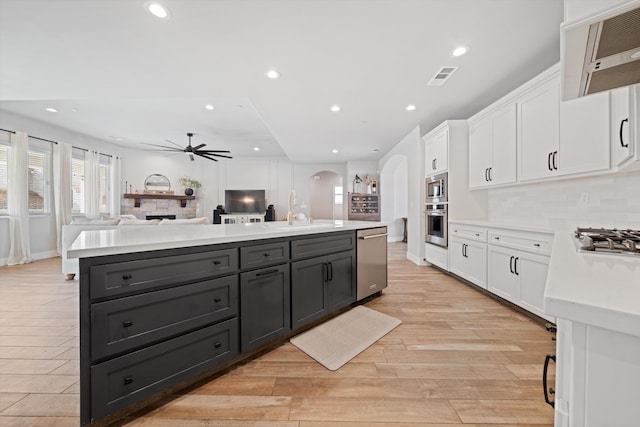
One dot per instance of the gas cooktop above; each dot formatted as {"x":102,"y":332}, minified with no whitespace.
{"x":608,"y":240}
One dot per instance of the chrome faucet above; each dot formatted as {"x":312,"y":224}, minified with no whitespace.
{"x":291,"y":206}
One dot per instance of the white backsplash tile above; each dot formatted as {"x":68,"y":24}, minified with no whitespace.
{"x":607,"y":201}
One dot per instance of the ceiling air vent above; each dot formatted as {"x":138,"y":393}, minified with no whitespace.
{"x":442,"y":76}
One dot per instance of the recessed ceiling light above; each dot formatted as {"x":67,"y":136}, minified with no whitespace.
{"x":157,"y":10}
{"x":334,"y":151}
{"x":459,"y":51}
{"x":51,"y":110}
{"x":335,"y":108}
{"x":273,"y":74}
{"x":75,"y":110}
{"x":410,"y":107}
{"x":256,"y":148}
{"x":209,"y":107}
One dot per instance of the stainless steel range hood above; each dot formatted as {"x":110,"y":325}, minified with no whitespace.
{"x":602,"y":52}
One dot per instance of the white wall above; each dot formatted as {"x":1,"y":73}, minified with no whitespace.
{"x":412,"y":148}
{"x":394,"y":201}
{"x":602,"y":201}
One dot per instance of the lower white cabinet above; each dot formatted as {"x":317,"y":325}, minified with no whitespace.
{"x":436,"y":255}
{"x":468,"y":259}
{"x":597,"y":377}
{"x":519,"y":277}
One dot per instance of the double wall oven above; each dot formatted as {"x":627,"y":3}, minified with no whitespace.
{"x":435,"y":213}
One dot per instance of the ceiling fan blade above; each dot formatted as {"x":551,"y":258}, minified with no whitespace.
{"x":206,"y":156}
{"x":171,"y":142}
{"x":163,"y":146}
{"x":197,"y":147}
{"x":219,"y":155}
{"x":214,"y":151}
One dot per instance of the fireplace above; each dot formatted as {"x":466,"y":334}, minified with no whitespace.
{"x":161,"y":217}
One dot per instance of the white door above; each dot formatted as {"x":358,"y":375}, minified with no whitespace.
{"x":539,"y":121}
{"x":502,"y":280}
{"x":584,"y":134}
{"x":457,"y":261}
{"x":477,"y":263}
{"x":620,"y":136}
{"x":437,"y":153}
{"x":480,"y":153}
{"x":532,"y":272}
{"x":504,"y":137}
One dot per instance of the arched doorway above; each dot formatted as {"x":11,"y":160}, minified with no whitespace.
{"x":395,"y":203}
{"x":326,"y":199}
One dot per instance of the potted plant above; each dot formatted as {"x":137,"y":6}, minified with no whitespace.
{"x":189,"y":184}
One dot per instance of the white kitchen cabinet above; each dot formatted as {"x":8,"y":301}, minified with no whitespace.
{"x":437,"y":152}
{"x":585,"y":137}
{"x":562,"y":138}
{"x":492,"y":148}
{"x":539,"y":131}
{"x":468,"y":253}
{"x":437,"y":256}
{"x":622,"y":146}
{"x":597,"y":376}
{"x":518,"y":262}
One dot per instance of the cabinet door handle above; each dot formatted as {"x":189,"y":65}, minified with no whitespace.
{"x":128,"y":380}
{"x":555,"y":160}
{"x":330,"y":271}
{"x":545,"y":370}
{"x":325,"y":272}
{"x":549,"y":161}
{"x":266,"y":273}
{"x":127,"y":324}
{"x":127,"y":276}
{"x":621,"y":138}
{"x":486,"y":174}
{"x":462,"y":249}
{"x":490,"y":179}
{"x":511,"y":264}
{"x":515,"y":265}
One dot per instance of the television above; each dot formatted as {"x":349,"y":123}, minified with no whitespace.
{"x":245,"y":201}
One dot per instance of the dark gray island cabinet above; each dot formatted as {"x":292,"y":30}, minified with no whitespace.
{"x":152,"y":321}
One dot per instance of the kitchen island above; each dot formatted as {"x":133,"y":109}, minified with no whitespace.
{"x":162,"y":307}
{"x":596,"y":299}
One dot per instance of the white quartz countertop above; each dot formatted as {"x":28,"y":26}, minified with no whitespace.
{"x":127,"y":239}
{"x":593,"y":288}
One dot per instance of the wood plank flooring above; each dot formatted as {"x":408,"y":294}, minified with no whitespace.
{"x":459,"y":358}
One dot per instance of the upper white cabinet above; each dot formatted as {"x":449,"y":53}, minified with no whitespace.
{"x":436,"y":152}
{"x":562,"y":138}
{"x":539,"y":131}
{"x":492,"y":148}
{"x":621,"y":144}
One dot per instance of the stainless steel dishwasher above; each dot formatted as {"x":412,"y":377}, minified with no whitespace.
{"x":372,"y":261}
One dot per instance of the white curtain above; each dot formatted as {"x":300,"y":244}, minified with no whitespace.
{"x":92,"y":184}
{"x":116,"y":190}
{"x":18,"y":200}
{"x":63,"y":199}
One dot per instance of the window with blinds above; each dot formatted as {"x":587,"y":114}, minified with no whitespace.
{"x":4,"y":155}
{"x":38,"y":182}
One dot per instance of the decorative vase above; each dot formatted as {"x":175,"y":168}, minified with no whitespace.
{"x":188,"y":191}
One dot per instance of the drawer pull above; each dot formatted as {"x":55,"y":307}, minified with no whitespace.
{"x":537,"y":245}
{"x":477,"y":234}
{"x":127,"y":323}
{"x":218,"y":344}
{"x":266,"y":254}
{"x":128,"y":380}
{"x":216,"y":262}
{"x":127,"y":276}
{"x":216,"y":300}
{"x":496,"y":238}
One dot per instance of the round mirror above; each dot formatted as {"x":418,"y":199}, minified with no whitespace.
{"x":158,"y":183}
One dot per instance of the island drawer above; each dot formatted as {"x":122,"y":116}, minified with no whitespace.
{"x":263,"y":255}
{"x":314,"y":246}
{"x":122,"y":381}
{"x":127,"y":323}
{"x":130,"y":277}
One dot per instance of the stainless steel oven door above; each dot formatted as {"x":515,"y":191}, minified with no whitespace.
{"x":436,"y":188}
{"x":436,"y":225}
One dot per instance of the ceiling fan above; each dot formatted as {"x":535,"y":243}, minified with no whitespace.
{"x":197,"y":150}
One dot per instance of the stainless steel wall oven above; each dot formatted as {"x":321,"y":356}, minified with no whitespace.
{"x":436,"y":224}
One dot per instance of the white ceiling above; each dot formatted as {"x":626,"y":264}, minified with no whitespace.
{"x":132,"y":76}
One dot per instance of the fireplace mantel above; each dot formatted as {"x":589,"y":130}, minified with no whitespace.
{"x":180,"y":198}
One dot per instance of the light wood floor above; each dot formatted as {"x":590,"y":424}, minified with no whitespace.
{"x":459,"y":357}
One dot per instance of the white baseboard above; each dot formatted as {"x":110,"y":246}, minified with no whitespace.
{"x":45,"y":254}
{"x":415,"y":259}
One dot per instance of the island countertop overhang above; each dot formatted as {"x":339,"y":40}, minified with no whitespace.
{"x":129,"y":239}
